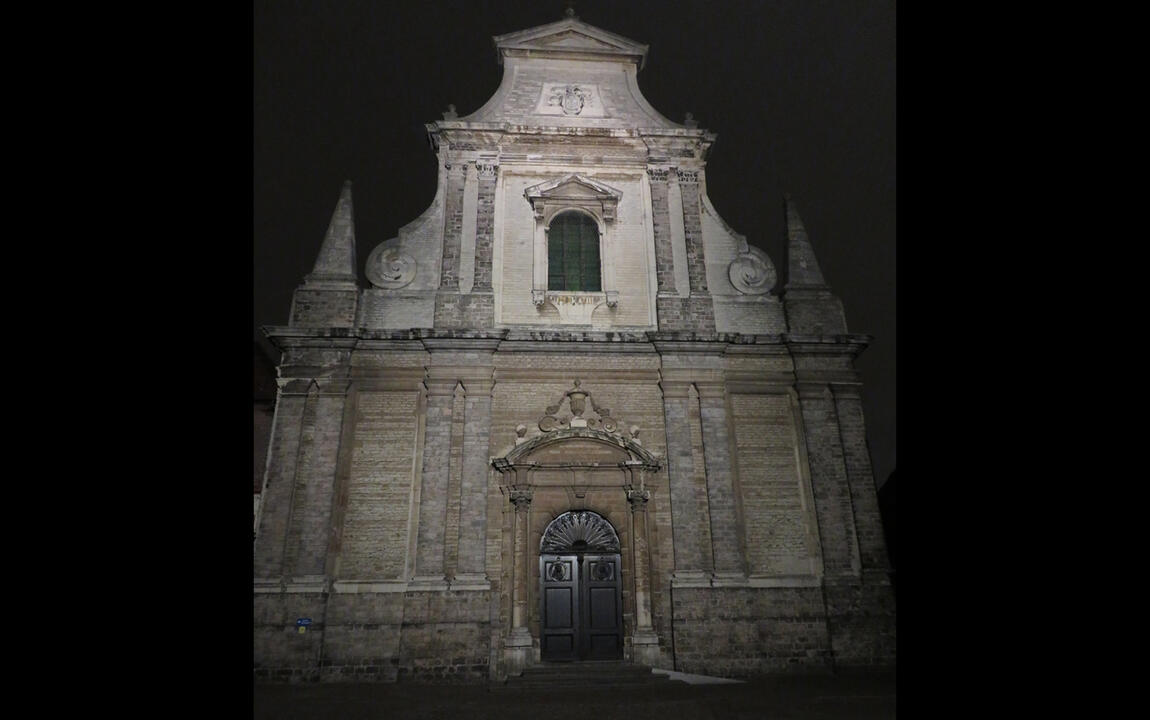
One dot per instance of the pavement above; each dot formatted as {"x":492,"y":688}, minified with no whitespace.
{"x":858,"y":696}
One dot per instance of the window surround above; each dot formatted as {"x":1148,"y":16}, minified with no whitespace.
{"x":599,"y":202}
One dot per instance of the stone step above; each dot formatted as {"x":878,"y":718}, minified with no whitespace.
{"x":589,"y":678}
{"x":588,"y":668}
{"x":573,"y":676}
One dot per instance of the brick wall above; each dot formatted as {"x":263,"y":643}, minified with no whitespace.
{"x":776,"y":525}
{"x":375,"y":530}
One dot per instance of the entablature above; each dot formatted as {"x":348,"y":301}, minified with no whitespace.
{"x":652,"y":144}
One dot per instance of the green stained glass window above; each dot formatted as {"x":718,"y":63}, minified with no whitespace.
{"x":573,"y":253}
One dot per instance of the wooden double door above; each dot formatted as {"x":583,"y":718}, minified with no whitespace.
{"x":582,"y":607}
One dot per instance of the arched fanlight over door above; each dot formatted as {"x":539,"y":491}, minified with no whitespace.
{"x":579,"y":531}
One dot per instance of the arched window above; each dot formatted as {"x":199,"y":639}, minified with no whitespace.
{"x":573,"y":253}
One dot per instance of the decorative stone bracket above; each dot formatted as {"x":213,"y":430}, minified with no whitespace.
{"x":594,"y":422}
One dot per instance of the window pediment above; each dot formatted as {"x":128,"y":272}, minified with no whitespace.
{"x":574,"y":190}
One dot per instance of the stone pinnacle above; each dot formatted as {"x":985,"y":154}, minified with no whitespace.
{"x":799,"y":257}
{"x":336,"y":260}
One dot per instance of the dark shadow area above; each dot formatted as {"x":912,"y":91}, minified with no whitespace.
{"x":860,"y":696}
{"x":886,"y":505}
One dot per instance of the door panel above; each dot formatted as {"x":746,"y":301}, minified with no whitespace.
{"x":602,"y":631}
{"x":560,"y":605}
{"x":582,"y":616}
{"x":602,"y":606}
{"x":559,"y":579}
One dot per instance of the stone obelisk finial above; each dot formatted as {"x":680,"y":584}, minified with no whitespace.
{"x":336,"y":260}
{"x":810,"y":306}
{"x":802,"y":266}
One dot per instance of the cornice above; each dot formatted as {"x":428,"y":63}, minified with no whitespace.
{"x":851,"y":343}
{"x":524,"y":340}
{"x":474,"y":129}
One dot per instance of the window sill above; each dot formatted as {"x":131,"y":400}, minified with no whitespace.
{"x":574,"y":307}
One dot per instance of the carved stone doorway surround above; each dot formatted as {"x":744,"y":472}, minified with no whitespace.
{"x":577,"y":463}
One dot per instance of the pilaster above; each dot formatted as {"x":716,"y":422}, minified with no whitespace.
{"x":453,"y":309}
{"x":319,"y":447}
{"x":452,"y":226}
{"x":686,"y":512}
{"x":268,"y":554}
{"x":688,"y":182}
{"x":661,"y":223}
{"x":860,"y":476}
{"x":485,"y":225}
{"x":429,"y":552}
{"x":471,"y":571}
{"x":829,"y":480}
{"x":729,"y":565}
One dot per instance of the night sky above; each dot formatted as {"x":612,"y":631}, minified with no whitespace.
{"x":800,"y":93}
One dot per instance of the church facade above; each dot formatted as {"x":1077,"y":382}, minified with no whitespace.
{"x":574,"y":416}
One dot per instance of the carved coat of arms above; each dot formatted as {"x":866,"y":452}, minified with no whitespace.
{"x":570,"y":98}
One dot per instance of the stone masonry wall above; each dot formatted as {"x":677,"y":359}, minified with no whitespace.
{"x":861,"y":620}
{"x":695,"y":313}
{"x":279,"y":650}
{"x":445,"y":636}
{"x":323,"y":308}
{"x":814,"y":313}
{"x":751,"y":314}
{"x":453,"y":310}
{"x":742,"y":632}
{"x":364,"y":636}
{"x":412,"y":636}
{"x":394,"y":309}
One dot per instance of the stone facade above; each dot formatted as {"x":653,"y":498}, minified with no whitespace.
{"x":429,"y":428}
